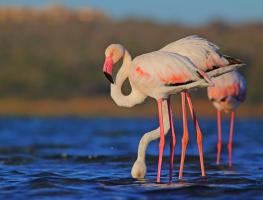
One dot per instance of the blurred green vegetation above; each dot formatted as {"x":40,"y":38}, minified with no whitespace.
{"x":48,"y":58}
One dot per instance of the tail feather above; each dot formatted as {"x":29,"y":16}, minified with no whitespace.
{"x":233,"y":61}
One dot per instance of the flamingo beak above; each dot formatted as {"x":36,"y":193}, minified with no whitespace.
{"x":107,"y":68}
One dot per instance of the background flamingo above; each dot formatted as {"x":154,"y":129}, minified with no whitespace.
{"x":227,"y":94}
{"x":206,"y":56}
{"x":153,"y":74}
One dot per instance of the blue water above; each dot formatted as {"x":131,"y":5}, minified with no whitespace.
{"x":84,"y":158}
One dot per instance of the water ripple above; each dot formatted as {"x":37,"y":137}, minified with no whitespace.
{"x":96,"y":162}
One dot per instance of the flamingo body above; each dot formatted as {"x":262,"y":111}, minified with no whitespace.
{"x":157,"y":74}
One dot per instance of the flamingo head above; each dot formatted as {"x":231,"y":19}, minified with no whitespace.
{"x":113,"y":54}
{"x":139,"y":169}
{"x":227,"y":104}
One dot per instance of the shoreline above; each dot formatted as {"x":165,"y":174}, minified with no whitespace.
{"x":105,"y":107}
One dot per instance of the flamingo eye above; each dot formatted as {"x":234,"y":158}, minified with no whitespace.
{"x":223,"y":99}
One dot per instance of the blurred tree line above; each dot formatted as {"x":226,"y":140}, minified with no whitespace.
{"x":42,"y":57}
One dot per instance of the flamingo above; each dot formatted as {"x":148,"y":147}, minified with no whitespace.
{"x":157,"y":75}
{"x":206,"y":56}
{"x":227,"y":94}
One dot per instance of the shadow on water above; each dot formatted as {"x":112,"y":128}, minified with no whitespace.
{"x":72,"y":158}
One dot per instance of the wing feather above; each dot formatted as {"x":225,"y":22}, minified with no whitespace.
{"x":163,"y":69}
{"x":203,"y":53}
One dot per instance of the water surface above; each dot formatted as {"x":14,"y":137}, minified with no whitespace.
{"x":84,"y":158}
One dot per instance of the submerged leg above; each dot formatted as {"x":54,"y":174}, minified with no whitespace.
{"x":173,"y":140}
{"x":219,"y":140}
{"x":185,"y":137}
{"x":230,"y":138}
{"x":162,"y":141}
{"x":198,"y":133}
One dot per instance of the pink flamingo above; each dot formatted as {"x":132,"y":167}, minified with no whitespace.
{"x":158,"y":75}
{"x":227,"y":94}
{"x":206,"y":57}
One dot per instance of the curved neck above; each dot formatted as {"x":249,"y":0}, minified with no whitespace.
{"x":135,"y":97}
{"x":153,"y":135}
{"x":123,"y":72}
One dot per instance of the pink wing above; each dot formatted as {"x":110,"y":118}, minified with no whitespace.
{"x":158,"y":68}
{"x":230,"y":84}
{"x":204,"y":54}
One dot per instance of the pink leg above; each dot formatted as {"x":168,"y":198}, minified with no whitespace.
{"x":219,"y":141}
{"x":198,"y":133}
{"x":162,"y":141}
{"x":230,"y":138}
{"x":173,"y":140}
{"x":185,"y":137}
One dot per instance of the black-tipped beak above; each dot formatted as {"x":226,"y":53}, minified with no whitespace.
{"x":109,"y":77}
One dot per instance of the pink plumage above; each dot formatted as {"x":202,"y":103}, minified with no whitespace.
{"x":151,"y":73}
{"x":228,"y":92}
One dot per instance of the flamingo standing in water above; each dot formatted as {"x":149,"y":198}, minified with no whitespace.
{"x":205,"y":55}
{"x":158,"y":75}
{"x":227,"y":94}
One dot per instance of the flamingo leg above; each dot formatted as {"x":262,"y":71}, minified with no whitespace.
{"x":162,"y":141}
{"x":219,"y":141}
{"x":185,"y":137}
{"x":173,"y":140}
{"x":230,"y":138}
{"x":198,"y":133}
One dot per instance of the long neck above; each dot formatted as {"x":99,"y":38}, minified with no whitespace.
{"x":153,"y":135}
{"x":135,"y":97}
